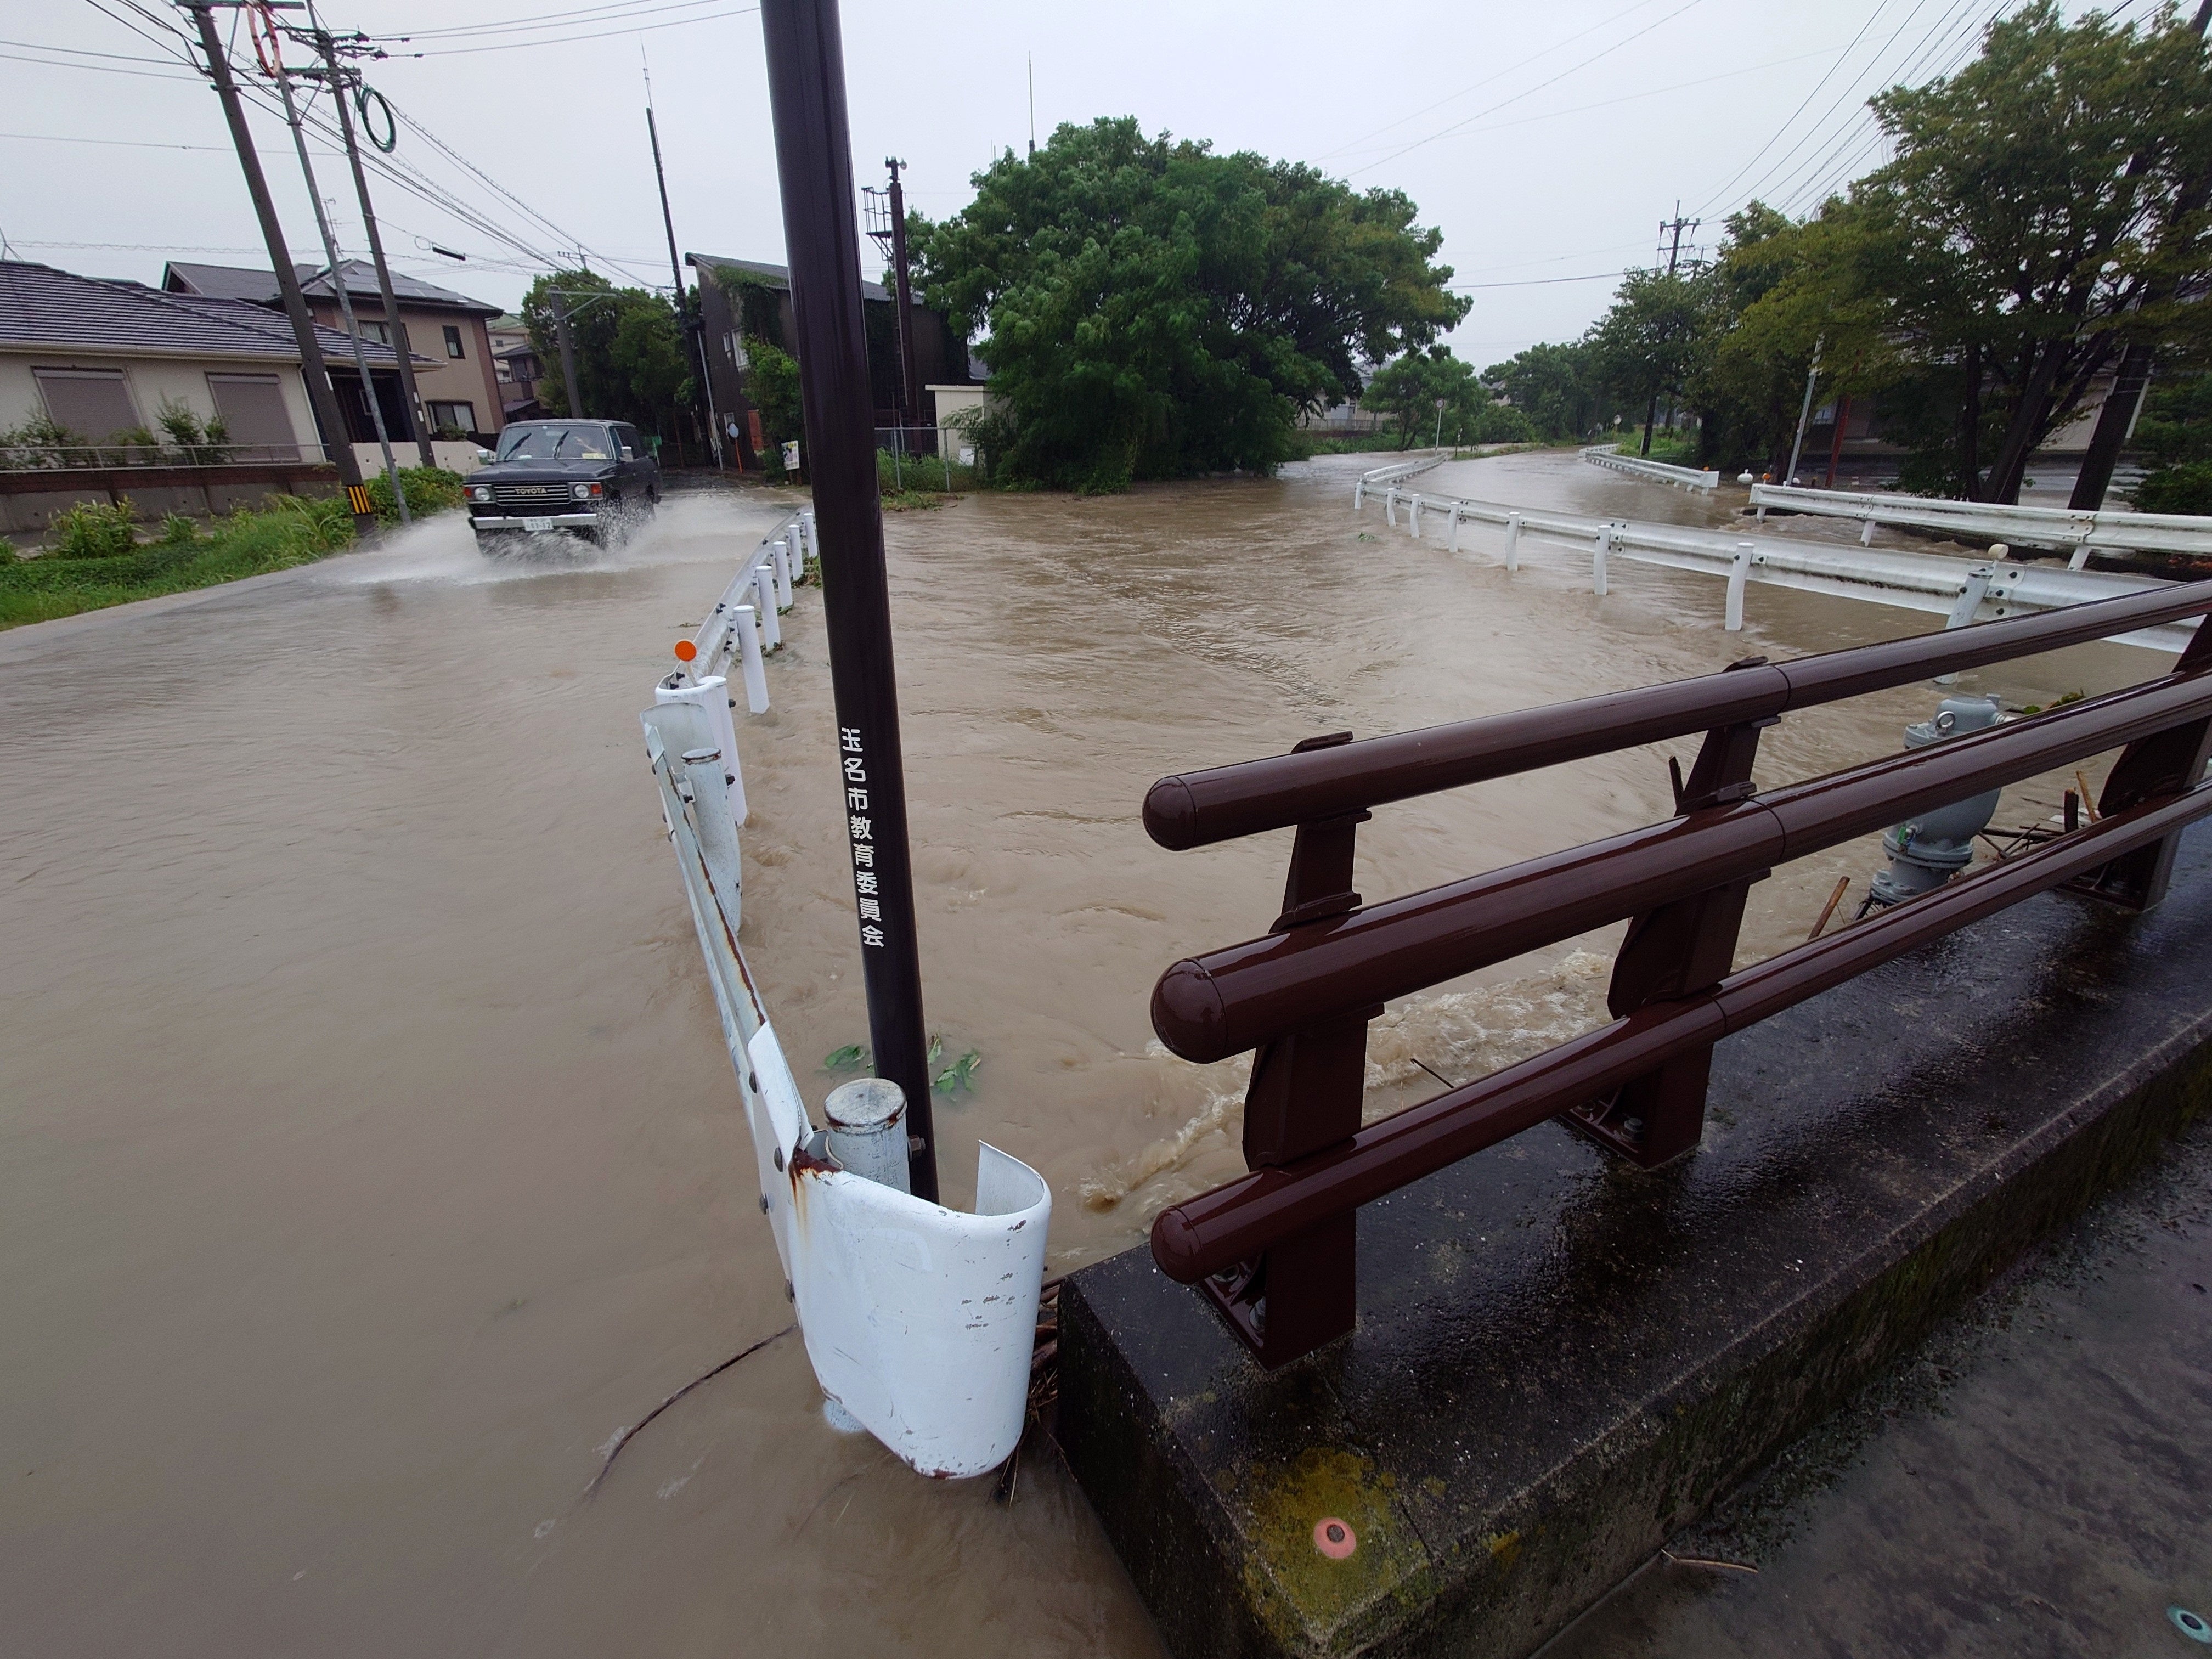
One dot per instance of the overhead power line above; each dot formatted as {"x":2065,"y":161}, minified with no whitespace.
{"x":565,"y":39}
{"x":1572,"y":69}
{"x":574,"y":17}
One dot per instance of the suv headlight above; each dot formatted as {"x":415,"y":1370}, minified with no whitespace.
{"x":585,"y":492}
{"x":479,"y":492}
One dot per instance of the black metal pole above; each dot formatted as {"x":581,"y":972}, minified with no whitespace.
{"x":814,"y":165}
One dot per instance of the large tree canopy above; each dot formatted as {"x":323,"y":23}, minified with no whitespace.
{"x":2046,"y":206}
{"x":632,"y":363}
{"x":1155,"y":310}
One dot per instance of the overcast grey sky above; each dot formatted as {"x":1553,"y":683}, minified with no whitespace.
{"x":1548,"y":141}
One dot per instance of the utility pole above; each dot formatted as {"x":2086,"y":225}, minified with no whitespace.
{"x":337,"y":80}
{"x":1805,"y":409}
{"x":559,"y":302}
{"x":1673,"y":257}
{"x":693,"y":325}
{"x":345,"y":298}
{"x":814,"y":167}
{"x":320,"y":395}
{"x":910,"y":381}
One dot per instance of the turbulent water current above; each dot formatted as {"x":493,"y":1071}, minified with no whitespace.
{"x":368,"y":1155}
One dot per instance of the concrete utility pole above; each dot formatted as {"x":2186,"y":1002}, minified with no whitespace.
{"x":693,"y":325}
{"x":1673,"y":257}
{"x":909,"y":382}
{"x":560,"y":302}
{"x":336,"y":79}
{"x":320,"y":395}
{"x":345,"y":298}
{"x":1805,"y":409}
{"x":814,"y":168}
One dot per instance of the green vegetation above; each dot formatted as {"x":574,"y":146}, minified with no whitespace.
{"x":2044,"y":211}
{"x":428,"y":488}
{"x":632,"y":361}
{"x":1156,"y":311}
{"x":95,"y":558}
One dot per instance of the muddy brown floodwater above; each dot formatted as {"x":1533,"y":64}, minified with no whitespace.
{"x":368,"y":1155}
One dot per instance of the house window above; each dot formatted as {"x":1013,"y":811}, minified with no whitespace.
{"x":256,"y":424}
{"x":452,"y":417}
{"x":92,"y":403}
{"x":380,"y":332}
{"x":453,"y":343}
{"x":504,"y":370}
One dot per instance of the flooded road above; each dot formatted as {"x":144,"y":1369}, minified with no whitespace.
{"x":368,"y":1155}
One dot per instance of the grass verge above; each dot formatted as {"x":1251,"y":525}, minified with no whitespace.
{"x":95,"y":563}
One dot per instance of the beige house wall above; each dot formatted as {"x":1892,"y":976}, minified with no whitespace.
{"x":440,"y":380}
{"x":152,"y":379}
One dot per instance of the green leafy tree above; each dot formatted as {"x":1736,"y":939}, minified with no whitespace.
{"x":1556,"y":388}
{"x":1652,"y":340}
{"x":1155,"y":310}
{"x":2037,"y":198}
{"x":1430,"y":394}
{"x":632,"y":361}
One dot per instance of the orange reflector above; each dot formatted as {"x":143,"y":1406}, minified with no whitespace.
{"x":685,"y":651}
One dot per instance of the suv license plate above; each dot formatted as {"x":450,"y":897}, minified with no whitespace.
{"x":539,"y":526}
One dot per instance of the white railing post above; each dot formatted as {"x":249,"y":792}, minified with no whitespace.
{"x":1597,"y":560}
{"x":808,"y":547}
{"x":1866,"y":533}
{"x":764,"y":602}
{"x":1359,"y":494}
{"x":1512,"y":541}
{"x":2081,"y":559}
{"x":710,"y":694}
{"x":750,"y":662}
{"x":1454,"y":527}
{"x":1414,"y":518}
{"x":1391,"y":507}
{"x":1739,"y":574}
{"x":779,"y":553}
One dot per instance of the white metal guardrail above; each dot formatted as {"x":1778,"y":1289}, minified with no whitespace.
{"x":1962,"y":591}
{"x":1396,"y":472}
{"x":2086,"y":533}
{"x":919,"y":1320}
{"x":1689,"y":477}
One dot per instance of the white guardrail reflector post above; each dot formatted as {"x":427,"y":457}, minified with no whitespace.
{"x":1512,"y":541}
{"x":1597,"y":560}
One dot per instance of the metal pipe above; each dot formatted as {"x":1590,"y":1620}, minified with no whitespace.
{"x":1235,"y":1222}
{"x":814,"y":170}
{"x":1224,"y":803}
{"x":1210,"y":1006}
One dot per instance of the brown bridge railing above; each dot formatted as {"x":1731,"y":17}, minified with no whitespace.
{"x":1276,"y":1250}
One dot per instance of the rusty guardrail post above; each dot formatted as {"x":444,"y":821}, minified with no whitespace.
{"x":1305,"y":1096}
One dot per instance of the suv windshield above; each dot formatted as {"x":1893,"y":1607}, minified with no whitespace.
{"x":561,"y":442}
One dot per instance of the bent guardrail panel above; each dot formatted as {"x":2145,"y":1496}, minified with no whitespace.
{"x":1275,"y":1252}
{"x":918,"y":1319}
